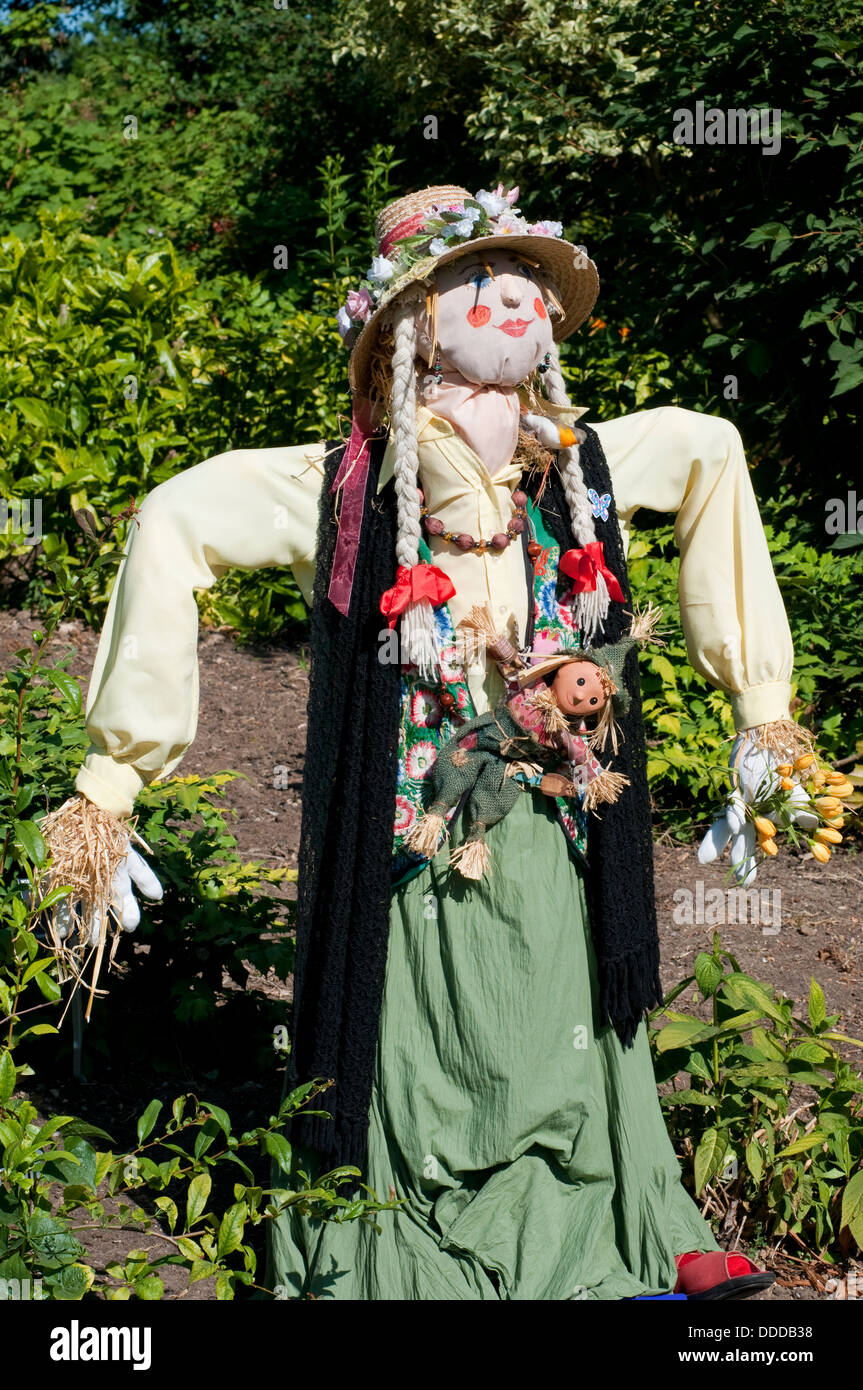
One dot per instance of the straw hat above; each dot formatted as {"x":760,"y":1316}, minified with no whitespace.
{"x":423,"y":231}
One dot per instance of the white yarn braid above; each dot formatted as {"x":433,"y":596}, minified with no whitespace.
{"x":591,"y":609}
{"x":418,"y":630}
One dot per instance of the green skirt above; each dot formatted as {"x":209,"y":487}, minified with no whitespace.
{"x":527,"y":1144}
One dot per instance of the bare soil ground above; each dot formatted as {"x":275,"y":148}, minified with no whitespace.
{"x":252,"y":720}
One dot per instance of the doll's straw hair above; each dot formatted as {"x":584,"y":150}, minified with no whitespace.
{"x":607,"y":728}
{"x":86,"y":846}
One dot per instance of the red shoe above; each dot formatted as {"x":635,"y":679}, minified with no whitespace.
{"x":716,"y":1275}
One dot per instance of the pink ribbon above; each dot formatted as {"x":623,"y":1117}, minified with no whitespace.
{"x":351,"y":478}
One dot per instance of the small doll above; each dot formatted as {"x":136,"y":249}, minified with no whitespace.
{"x":536,"y":737}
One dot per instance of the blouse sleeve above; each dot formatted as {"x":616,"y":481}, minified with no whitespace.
{"x":249,"y":509}
{"x":733,"y":617}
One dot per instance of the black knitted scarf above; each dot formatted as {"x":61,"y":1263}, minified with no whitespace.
{"x":349,"y":790}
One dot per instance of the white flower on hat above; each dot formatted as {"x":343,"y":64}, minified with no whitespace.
{"x":464,"y":228}
{"x":438,"y":246}
{"x":381,"y":270}
{"x":510,"y":225}
{"x":344,"y":321}
{"x":492,"y":203}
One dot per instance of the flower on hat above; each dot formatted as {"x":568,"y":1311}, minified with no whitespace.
{"x":545,"y":229}
{"x":492,"y":204}
{"x":381,"y":270}
{"x":510,"y":225}
{"x":359,"y":304}
{"x":439,"y":231}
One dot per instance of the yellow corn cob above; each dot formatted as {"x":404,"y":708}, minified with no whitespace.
{"x":842,"y":790}
{"x":768,"y":846}
{"x":829,"y":805}
{"x":787,"y":783}
{"x":818,"y":779}
{"x":827,"y":837}
{"x":836,"y":821}
{"x":820,"y":852}
{"x":805,"y":760}
{"x":785,"y":769}
{"x":834,"y":776}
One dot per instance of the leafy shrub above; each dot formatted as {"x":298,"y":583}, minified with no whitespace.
{"x":54,"y":1184}
{"x":770,"y":1115}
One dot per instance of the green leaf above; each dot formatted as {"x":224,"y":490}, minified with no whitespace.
{"x":8,"y":1073}
{"x":169,"y":1209}
{"x":852,"y":1208}
{"x":28,"y":836}
{"x":68,"y":688}
{"x":147,"y":1122}
{"x":804,"y":1144}
{"x":231,"y":1229}
{"x":70,"y":1284}
{"x":708,"y":974}
{"x":755,"y":1160}
{"x":201,"y":1269}
{"x":196,"y":1198}
{"x":278,"y":1148}
{"x":741,"y":989}
{"x":709,"y":1158}
{"x":148,"y":1287}
{"x":221,"y":1117}
{"x":817,"y":1005}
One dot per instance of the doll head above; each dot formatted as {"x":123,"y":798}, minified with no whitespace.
{"x":581,"y":688}
{"x":488,"y":317}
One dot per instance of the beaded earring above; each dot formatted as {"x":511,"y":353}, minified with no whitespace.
{"x":545,"y":363}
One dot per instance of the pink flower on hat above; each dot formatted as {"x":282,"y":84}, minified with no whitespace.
{"x":546,"y":229}
{"x":359,"y":304}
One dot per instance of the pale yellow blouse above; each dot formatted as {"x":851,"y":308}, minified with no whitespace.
{"x":258,"y":507}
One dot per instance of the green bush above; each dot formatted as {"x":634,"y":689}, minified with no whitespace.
{"x":116,"y":371}
{"x":770,"y":1114}
{"x":689,"y":724}
{"x":55,"y":1185}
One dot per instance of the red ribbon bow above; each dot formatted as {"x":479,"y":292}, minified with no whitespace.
{"x":415,"y":582}
{"x":583,"y":566}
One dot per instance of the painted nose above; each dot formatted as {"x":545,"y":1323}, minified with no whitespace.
{"x":511,"y":290}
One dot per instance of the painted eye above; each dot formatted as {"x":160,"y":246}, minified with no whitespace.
{"x":593,"y":701}
{"x":580,"y":680}
{"x":526,"y":271}
{"x":480,"y":280}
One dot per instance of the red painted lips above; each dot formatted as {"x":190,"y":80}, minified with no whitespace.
{"x":515,"y":327}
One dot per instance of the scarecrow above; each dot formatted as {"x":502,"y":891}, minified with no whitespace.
{"x":486,"y":1037}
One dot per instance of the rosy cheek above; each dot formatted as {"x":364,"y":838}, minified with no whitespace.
{"x":540,"y":309}
{"x":478,"y":316}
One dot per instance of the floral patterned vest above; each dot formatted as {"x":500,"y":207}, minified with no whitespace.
{"x":426,"y":725}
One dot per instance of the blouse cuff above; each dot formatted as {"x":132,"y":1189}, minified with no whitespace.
{"x":761,"y":704}
{"x":108,"y":784}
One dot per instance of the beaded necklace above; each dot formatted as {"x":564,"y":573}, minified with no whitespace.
{"x":499,"y":541}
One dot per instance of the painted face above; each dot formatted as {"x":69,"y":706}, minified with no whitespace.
{"x":578,"y":689}
{"x":493,"y":326}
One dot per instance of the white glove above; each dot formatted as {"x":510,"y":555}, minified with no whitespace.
{"x":756,"y":777}
{"x":123,"y":903}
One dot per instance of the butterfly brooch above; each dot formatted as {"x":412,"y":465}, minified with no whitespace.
{"x":599,"y":504}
